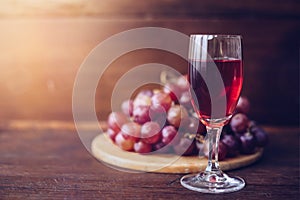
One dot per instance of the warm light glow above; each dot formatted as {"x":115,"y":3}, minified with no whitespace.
{"x":42,"y":44}
{"x":27,"y":8}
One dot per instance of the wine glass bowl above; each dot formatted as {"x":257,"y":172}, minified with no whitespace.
{"x":215,"y":74}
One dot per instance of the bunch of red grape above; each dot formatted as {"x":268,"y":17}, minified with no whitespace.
{"x":162,"y":120}
{"x":240,"y":135}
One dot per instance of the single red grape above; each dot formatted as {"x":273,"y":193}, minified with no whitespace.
{"x":142,"y":147}
{"x":111,"y":134}
{"x":127,"y":107}
{"x":239,"y":123}
{"x":161,"y":99}
{"x":159,"y":115}
{"x":150,"y":132}
{"x":168,"y":134}
{"x":248,"y":143}
{"x":116,"y":120}
{"x":186,"y":100}
{"x":131,"y":130}
{"x":176,"y":114}
{"x":233,"y":144}
{"x":125,"y":144}
{"x":260,"y":135}
{"x":183,"y":83}
{"x":141,"y":114}
{"x":141,"y":100}
{"x":173,"y":90}
{"x":243,"y":105}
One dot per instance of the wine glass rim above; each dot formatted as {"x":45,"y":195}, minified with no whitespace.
{"x":217,"y":35}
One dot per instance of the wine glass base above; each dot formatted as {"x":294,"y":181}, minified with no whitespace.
{"x":214,"y":183}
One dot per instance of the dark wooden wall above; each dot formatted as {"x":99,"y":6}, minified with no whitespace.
{"x":42,"y":46}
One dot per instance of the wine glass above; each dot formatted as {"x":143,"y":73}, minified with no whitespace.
{"x":215,"y":75}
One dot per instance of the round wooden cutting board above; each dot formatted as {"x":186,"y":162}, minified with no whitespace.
{"x":104,"y":150}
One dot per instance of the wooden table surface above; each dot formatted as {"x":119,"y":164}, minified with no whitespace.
{"x":44,"y":160}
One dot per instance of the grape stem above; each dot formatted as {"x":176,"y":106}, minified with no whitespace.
{"x":213,"y":137}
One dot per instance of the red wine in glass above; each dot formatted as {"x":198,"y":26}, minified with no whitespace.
{"x":215,"y":74}
{"x":231,"y":71}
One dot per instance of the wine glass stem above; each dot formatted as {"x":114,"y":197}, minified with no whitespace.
{"x":213,"y":134}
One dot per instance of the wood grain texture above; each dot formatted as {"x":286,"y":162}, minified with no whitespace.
{"x":104,"y":150}
{"x":53,"y":164}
